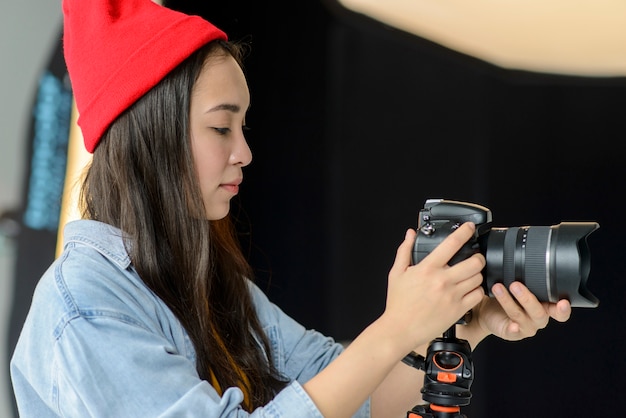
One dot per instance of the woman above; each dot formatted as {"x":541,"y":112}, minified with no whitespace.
{"x":151,"y":311}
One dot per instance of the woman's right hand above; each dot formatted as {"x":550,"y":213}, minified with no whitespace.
{"x":425,"y":299}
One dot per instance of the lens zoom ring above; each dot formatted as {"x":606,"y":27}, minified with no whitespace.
{"x":535,"y":266}
{"x":508,"y":256}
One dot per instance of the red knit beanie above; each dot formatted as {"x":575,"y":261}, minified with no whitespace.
{"x":117,"y":50}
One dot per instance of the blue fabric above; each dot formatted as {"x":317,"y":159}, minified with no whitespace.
{"x":51,"y":127}
{"x":98,"y":343}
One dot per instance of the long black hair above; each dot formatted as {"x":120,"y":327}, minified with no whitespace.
{"x":142,"y":180}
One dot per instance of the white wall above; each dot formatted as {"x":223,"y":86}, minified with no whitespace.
{"x":27,"y":35}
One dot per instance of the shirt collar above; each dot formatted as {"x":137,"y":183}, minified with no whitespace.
{"x":104,"y":238}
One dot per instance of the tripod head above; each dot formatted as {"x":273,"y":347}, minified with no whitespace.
{"x":449,"y":373}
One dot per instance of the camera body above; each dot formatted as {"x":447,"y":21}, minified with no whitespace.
{"x":552,"y":261}
{"x":439,"y":218}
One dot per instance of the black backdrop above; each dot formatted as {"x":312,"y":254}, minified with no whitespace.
{"x":355,"y":124}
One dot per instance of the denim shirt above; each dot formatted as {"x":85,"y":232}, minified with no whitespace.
{"x":98,"y":343}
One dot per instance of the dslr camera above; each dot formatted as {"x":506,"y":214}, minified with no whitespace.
{"x":552,"y":261}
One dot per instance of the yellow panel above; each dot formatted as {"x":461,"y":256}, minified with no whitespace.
{"x":576,"y":37}
{"x":77,"y":159}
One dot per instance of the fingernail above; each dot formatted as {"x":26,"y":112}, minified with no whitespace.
{"x":516,"y":289}
{"x":497,"y":290}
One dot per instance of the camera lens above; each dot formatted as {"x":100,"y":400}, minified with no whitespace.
{"x":552,"y":261}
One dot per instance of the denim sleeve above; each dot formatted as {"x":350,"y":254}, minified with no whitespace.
{"x":99,"y":374}
{"x":298,"y":353}
{"x":104,"y":356}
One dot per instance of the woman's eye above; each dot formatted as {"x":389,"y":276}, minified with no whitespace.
{"x":226,"y":131}
{"x":222,"y":131}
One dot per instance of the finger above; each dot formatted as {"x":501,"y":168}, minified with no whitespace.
{"x":473,"y":297}
{"x":469,"y":267}
{"x":472,"y":286}
{"x":534,"y":309}
{"x":403,"y":254}
{"x":442,"y":254}
{"x":510,"y":306}
{"x":561,"y":311}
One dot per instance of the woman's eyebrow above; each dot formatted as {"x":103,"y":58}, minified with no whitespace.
{"x":225,"y":106}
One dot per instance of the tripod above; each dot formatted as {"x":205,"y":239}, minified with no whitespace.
{"x":449,"y":373}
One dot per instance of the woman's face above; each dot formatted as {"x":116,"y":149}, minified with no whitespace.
{"x":219,"y":102}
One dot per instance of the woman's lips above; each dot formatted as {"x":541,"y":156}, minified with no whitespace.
{"x":232,"y":187}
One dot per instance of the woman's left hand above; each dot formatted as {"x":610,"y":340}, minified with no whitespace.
{"x":516,"y":313}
